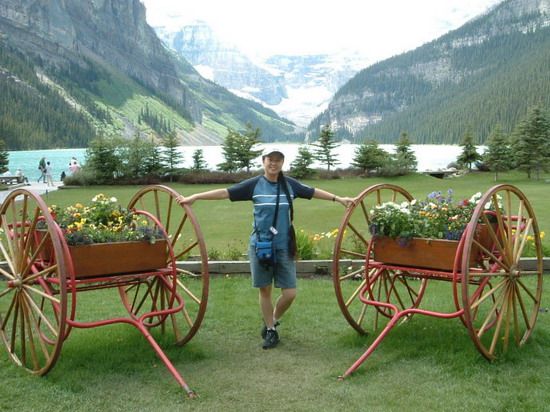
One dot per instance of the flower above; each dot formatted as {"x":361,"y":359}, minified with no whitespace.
{"x":103,"y":221}
{"x":437,"y":217}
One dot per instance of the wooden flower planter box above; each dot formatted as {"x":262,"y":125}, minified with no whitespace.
{"x":436,"y":254}
{"x":417,"y":252}
{"x":100,"y":259}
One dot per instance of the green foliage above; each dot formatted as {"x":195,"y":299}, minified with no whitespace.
{"x":531,"y":143}
{"x":199,"y":163}
{"x":300,"y":167}
{"x":498,"y":155}
{"x":102,"y":159}
{"x":4,"y":157}
{"x":32,"y":114}
{"x":369,"y":156}
{"x":469,"y":153}
{"x":155,"y":121}
{"x":405,"y":157}
{"x":239,"y":149}
{"x":324,"y":147}
{"x":171,"y":156}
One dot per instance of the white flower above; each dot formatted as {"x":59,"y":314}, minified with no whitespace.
{"x":113,"y":199}
{"x":475,"y":198}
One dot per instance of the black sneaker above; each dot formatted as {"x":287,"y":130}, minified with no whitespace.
{"x":271,"y":339}
{"x":264,"y":329}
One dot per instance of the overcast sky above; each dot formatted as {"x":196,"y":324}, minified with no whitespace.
{"x":376,"y":28}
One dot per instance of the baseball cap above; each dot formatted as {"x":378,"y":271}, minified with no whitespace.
{"x":269,"y":152}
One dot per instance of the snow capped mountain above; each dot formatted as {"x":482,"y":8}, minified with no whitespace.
{"x":295,"y":87}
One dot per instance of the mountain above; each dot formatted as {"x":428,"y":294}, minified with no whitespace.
{"x":94,"y":67}
{"x":296,"y":87}
{"x":489,"y":71}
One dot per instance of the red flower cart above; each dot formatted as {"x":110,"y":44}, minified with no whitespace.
{"x":496,"y":294}
{"x":44,"y":278}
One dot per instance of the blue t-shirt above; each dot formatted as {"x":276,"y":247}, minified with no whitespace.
{"x":263,"y":194}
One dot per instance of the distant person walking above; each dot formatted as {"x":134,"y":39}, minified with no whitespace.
{"x":42,"y":168}
{"x":49,"y":178}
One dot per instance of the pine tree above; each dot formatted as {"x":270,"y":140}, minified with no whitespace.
{"x":239,"y":149}
{"x":369,"y":156}
{"x":171,"y":156}
{"x":4,"y":157}
{"x":102,"y":159}
{"x":198,"y":160}
{"x":300,"y":167}
{"x":469,"y":153}
{"x":406,"y":159}
{"x":498,"y":154}
{"x":531,"y":143}
{"x":324,"y":147}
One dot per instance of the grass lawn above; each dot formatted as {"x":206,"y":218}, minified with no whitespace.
{"x":426,"y":364}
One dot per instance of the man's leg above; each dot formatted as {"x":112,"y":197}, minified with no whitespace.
{"x":266,"y":305}
{"x":283,"y":303}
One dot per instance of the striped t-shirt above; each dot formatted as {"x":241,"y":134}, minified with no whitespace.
{"x":263,"y":194}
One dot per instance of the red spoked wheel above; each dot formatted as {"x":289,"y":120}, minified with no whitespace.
{"x":33,"y":294}
{"x":351,"y":271}
{"x":186,"y":243}
{"x":500,"y":295}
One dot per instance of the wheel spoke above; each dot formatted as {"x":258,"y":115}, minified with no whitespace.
{"x":353,"y":274}
{"x":491,"y":292}
{"x":355,"y":293}
{"x":43,"y":294}
{"x":188,"y":292}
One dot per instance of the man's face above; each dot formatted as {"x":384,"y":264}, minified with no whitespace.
{"x":273,"y":163}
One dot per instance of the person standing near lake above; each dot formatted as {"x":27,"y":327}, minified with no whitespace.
{"x":272,"y":194}
{"x":49,"y":176}
{"x":42,"y":169}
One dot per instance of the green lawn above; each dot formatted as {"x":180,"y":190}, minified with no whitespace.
{"x":426,"y":364}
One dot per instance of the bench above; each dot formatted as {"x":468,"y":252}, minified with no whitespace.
{"x":12,"y":180}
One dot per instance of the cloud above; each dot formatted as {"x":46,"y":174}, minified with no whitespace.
{"x":377,"y":29}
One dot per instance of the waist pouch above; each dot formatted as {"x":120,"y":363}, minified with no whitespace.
{"x":265,"y":252}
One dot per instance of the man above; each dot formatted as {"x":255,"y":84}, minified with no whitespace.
{"x":272,"y":195}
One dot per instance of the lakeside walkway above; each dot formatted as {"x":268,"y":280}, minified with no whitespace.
{"x":41,"y":188}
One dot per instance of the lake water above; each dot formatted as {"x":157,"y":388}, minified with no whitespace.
{"x":429,"y":157}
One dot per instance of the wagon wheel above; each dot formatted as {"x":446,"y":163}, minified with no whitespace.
{"x":188,"y":244}
{"x":350,"y":270}
{"x":500,"y":295}
{"x":33,"y":295}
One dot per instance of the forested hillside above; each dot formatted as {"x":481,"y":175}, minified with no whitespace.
{"x":490,"y":71}
{"x":31,"y":113}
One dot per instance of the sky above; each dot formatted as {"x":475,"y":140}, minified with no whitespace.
{"x":374,"y":28}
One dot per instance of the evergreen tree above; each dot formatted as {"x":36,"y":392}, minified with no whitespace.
{"x":171,"y":157}
{"x":4,"y":157}
{"x":239,"y":149}
{"x":300,"y":167}
{"x":406,"y":159}
{"x":531,"y":143}
{"x":103,"y":160}
{"x":152,"y":163}
{"x":498,"y":154}
{"x":198,"y":160}
{"x":369,"y":156}
{"x":469,"y":153}
{"x":324,"y":147}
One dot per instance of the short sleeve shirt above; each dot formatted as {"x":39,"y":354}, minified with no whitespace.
{"x":263,"y":194}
